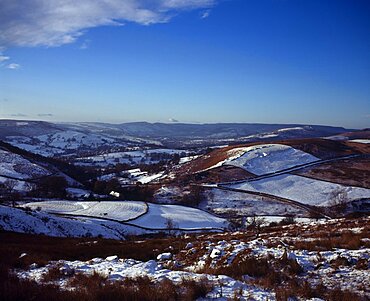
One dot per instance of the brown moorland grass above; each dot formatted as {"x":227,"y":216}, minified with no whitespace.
{"x":97,"y":288}
{"x":326,"y":149}
{"x":305,"y":290}
{"x":41,"y":249}
{"x":269,"y":272}
{"x":355,"y":171}
{"x":219,"y":174}
{"x":324,"y":237}
{"x":364,"y":134}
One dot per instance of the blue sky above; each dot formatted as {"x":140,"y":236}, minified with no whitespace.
{"x":268,"y":61}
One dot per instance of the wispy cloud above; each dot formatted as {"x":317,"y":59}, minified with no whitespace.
{"x":54,"y":23}
{"x":4,"y":58}
{"x":18,"y":115}
{"x":45,"y":115}
{"x":13,"y":66}
{"x":85,"y":44}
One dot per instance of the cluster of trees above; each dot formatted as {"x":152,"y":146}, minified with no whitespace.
{"x":193,"y":198}
{"x":136,"y":192}
{"x":52,"y":187}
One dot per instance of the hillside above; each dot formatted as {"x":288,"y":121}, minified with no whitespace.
{"x":55,"y":139}
{"x":276,"y":265}
{"x":289,"y":177}
{"x":319,"y":148}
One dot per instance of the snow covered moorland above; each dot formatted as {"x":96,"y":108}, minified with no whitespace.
{"x":276,"y":266}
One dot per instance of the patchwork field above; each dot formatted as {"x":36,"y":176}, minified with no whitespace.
{"x":110,"y":219}
{"x":304,"y":190}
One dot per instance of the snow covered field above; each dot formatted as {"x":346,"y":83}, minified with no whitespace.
{"x":361,"y":140}
{"x":243,"y":204}
{"x":42,"y":222}
{"x":304,"y":190}
{"x":182,"y":217}
{"x":124,"y":217}
{"x":267,"y":158}
{"x":116,"y":210}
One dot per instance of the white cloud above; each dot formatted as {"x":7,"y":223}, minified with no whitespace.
{"x":57,"y":22}
{"x":187,"y":4}
{"x":205,"y":14}
{"x":13,"y":66}
{"x":4,"y":58}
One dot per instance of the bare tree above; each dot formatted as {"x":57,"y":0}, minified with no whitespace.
{"x":255,"y":223}
{"x":170,"y":225}
{"x":338,"y":200}
{"x":10,"y":185}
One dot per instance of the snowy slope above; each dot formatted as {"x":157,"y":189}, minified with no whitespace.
{"x":267,"y":158}
{"x":59,"y":142}
{"x":13,"y":165}
{"x":16,"y":185}
{"x":182,"y":217}
{"x":73,"y":140}
{"x":116,"y":210}
{"x":304,"y":190}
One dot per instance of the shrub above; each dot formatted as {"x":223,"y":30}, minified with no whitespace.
{"x":251,"y":266}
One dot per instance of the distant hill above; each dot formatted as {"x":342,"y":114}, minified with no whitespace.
{"x":52,"y":139}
